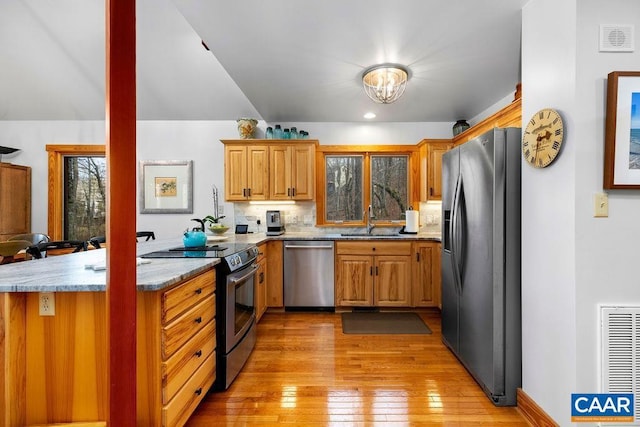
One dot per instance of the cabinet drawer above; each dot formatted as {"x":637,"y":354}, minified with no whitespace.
{"x":373,"y":247}
{"x":180,"y":298}
{"x":262,"y":252}
{"x":186,"y":360}
{"x":182,"y":405}
{"x":178,"y":332}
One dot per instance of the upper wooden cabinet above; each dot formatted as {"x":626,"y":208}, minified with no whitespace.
{"x":15,"y":200}
{"x":271,"y":170}
{"x":292,"y":172}
{"x":246,"y":172}
{"x":431,"y":152}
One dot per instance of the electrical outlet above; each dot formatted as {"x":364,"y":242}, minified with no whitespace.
{"x":47,"y":304}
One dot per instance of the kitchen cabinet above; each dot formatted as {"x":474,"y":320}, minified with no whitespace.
{"x":246,"y":172}
{"x":373,"y":273}
{"x":275,"y":284}
{"x":426,"y":274}
{"x":292,"y":172}
{"x":269,"y":169}
{"x":260,"y":281}
{"x":431,"y":152}
{"x":15,"y":200}
{"x":56,"y":367}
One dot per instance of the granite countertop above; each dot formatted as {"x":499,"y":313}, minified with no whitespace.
{"x":67,"y":273}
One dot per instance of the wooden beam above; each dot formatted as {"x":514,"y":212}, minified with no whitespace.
{"x":121,"y":209}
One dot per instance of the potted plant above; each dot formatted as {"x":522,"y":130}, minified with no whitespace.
{"x":214,"y":220}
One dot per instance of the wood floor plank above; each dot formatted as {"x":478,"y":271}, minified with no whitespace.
{"x":305,"y":371}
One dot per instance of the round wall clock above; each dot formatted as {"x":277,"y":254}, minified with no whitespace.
{"x":543,"y":138}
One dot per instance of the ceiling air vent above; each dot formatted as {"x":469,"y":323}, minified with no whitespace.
{"x":620,"y":343}
{"x":616,"y":38}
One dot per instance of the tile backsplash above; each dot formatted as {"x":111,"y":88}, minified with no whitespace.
{"x":301,"y":217}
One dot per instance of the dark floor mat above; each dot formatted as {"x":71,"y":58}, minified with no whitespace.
{"x":383,"y":323}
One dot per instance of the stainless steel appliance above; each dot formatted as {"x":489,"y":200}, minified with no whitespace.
{"x":309,"y":275}
{"x":235,"y":313}
{"x":275,"y":223}
{"x":481,"y":260}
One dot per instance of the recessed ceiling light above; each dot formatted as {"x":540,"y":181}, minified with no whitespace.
{"x":369,"y":115}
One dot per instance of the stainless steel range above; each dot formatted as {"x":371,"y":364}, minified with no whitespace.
{"x":235,"y":308}
{"x":235,"y":313}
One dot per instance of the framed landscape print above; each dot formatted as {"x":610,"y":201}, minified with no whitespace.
{"x":166,"y":187}
{"x":622,"y":132}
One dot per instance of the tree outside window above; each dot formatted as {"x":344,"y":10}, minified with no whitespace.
{"x":85,"y":197}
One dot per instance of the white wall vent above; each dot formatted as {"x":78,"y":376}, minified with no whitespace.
{"x":621,"y":353}
{"x":616,"y":38}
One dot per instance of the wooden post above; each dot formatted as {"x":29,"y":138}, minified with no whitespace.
{"x":121,"y":209}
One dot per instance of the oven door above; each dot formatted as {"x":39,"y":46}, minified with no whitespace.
{"x":240,"y":309}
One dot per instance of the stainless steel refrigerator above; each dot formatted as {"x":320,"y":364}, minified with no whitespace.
{"x":481,"y":260}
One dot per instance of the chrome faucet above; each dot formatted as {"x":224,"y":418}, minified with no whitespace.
{"x":369,"y":216}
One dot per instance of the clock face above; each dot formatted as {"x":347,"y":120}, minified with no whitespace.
{"x":543,"y":138}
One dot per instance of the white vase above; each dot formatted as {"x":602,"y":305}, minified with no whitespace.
{"x":246,"y":127}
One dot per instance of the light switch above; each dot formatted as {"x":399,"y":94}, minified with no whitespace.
{"x":601,"y":205}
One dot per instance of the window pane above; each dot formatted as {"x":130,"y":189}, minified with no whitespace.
{"x":344,"y":188}
{"x":85,"y":181}
{"x":389,"y":187}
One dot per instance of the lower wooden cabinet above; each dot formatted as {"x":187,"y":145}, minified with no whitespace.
{"x":426,"y":274}
{"x":275,"y":286}
{"x":260,"y":281}
{"x":176,"y":350}
{"x":373,"y":273}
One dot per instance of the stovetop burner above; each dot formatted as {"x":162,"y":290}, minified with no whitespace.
{"x":199,"y":248}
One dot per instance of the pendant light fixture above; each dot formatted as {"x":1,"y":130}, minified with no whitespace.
{"x":385,"y":83}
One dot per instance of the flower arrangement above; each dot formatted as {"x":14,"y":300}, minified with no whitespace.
{"x":214,"y":220}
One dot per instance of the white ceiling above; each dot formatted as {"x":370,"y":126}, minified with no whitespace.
{"x":278,"y":60}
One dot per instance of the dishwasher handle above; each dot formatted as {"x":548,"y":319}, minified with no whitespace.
{"x":307,"y":247}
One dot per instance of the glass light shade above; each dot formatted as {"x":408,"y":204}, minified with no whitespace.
{"x":385,"y":83}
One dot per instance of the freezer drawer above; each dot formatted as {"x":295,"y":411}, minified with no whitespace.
{"x":309,"y":275}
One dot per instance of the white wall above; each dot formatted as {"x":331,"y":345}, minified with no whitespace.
{"x":183,"y":140}
{"x":572,"y":261}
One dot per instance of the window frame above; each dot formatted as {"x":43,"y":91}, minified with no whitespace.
{"x":366,"y":151}
{"x":55,"y":204}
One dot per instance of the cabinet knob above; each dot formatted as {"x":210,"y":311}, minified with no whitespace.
{"x":198,"y":391}
{"x":198,"y":353}
{"x":198,"y":319}
{"x":198,"y":291}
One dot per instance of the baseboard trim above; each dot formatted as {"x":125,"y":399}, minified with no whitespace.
{"x":533,"y":413}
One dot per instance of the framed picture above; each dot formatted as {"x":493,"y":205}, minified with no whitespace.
{"x":166,"y":187}
{"x":622,"y":132}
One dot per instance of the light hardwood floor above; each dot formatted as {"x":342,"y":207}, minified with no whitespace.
{"x":305,"y":371}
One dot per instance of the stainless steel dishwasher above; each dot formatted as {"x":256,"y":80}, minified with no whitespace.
{"x":309,"y":275}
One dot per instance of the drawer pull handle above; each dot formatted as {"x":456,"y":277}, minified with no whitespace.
{"x":198,"y":353}
{"x":198,"y":319}
{"x":198,"y":291}
{"x":199,"y":391}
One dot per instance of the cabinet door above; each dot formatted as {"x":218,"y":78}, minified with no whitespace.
{"x":275,"y":293}
{"x":235,"y":172}
{"x":434,"y":182}
{"x":260,"y":289}
{"x":303,"y":172}
{"x":392,"y":281}
{"x":280,"y":172}
{"x":258,"y":172}
{"x":354,"y":280}
{"x":424,"y":291}
{"x":15,"y":200}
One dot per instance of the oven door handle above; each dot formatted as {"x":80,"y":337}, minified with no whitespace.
{"x":244,"y":277}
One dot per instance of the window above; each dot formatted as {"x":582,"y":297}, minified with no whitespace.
{"x":77,"y":191}
{"x":389,"y":187}
{"x":352,"y":180}
{"x":85,"y":179}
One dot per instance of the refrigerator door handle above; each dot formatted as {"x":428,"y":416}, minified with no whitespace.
{"x":454,"y":233}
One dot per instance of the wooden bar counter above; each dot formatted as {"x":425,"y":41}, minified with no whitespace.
{"x":54,"y":367}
